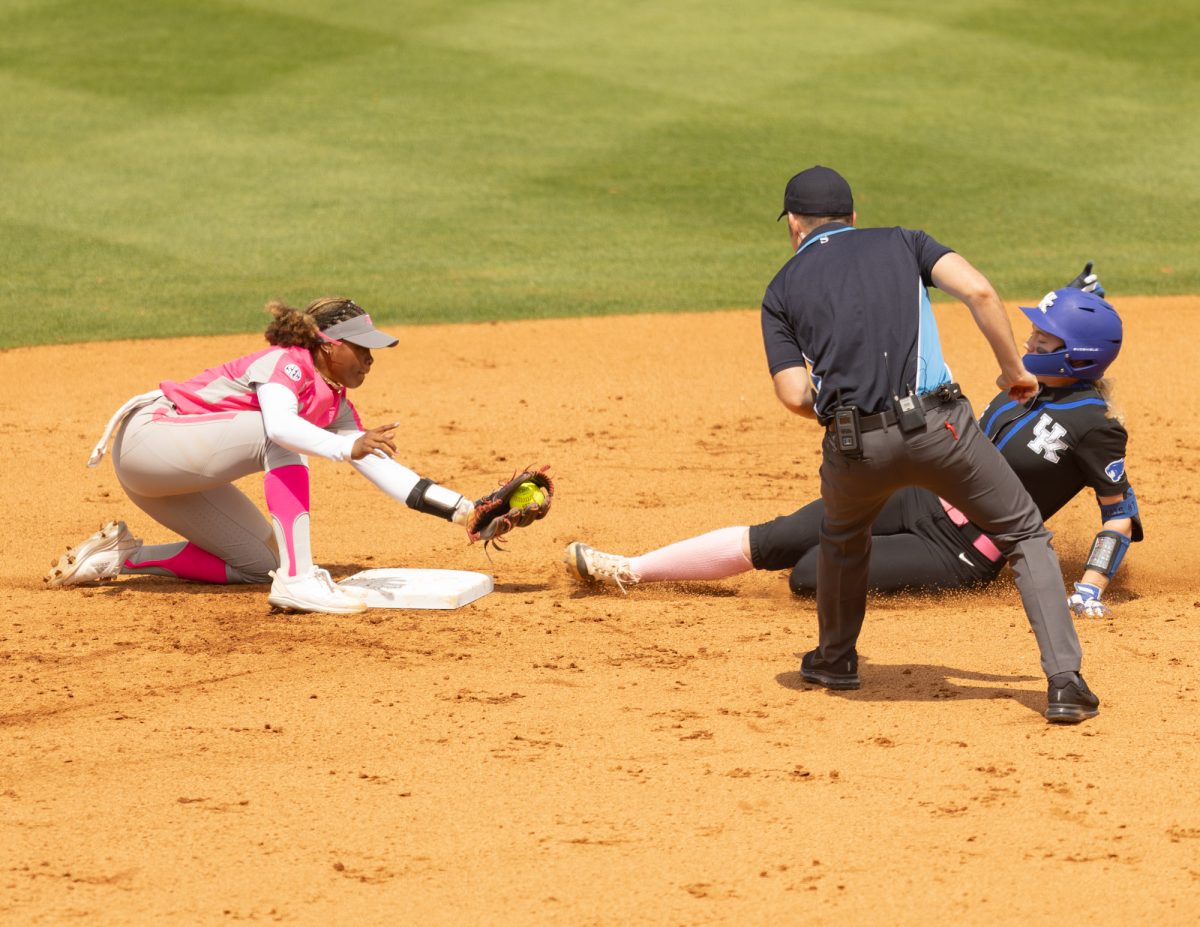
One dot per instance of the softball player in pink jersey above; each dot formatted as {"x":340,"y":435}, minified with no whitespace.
{"x":178,"y":450}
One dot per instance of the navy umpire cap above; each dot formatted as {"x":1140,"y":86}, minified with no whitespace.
{"x":818,"y":191}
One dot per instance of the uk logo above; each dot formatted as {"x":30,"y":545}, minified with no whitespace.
{"x":293,"y":371}
{"x":1047,"y":301}
{"x":1116,"y":470}
{"x":1048,"y":438}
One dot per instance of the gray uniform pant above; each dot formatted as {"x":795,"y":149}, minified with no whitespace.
{"x":180,"y":469}
{"x":968,"y":472}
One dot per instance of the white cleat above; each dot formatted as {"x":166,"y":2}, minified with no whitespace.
{"x":313,"y":592}
{"x":98,"y":558}
{"x":589,"y":565}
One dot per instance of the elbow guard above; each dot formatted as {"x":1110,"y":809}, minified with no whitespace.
{"x":432,"y":499}
{"x":1126,"y":508}
{"x":1108,"y":550}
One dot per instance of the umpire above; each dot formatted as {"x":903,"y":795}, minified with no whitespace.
{"x":851,"y":341}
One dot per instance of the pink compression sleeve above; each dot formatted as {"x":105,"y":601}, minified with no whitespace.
{"x":286,"y":490}
{"x":191,"y":562}
{"x":715,"y":555}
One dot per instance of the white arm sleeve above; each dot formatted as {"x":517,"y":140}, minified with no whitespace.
{"x":393,"y":478}
{"x":418,"y":493}
{"x":284,"y":426}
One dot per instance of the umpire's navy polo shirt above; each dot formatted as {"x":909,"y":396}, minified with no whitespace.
{"x":846,"y":296}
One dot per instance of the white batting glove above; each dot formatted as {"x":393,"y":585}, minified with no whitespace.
{"x":1085,"y":603}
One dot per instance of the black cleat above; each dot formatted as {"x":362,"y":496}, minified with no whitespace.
{"x":1069,"y":700}
{"x":813,"y":669}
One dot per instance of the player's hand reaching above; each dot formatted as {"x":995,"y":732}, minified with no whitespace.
{"x":378,"y":441}
{"x":1085,"y":603}
{"x":1088,"y":281}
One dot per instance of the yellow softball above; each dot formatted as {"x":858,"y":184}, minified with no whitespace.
{"x":527,"y":493}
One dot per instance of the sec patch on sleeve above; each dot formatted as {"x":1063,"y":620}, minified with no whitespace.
{"x":1116,"y":470}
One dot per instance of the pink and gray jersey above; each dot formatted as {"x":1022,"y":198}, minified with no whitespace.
{"x":232,"y":387}
{"x":180,"y":449}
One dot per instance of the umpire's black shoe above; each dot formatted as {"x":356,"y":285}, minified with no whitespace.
{"x":843,"y":675}
{"x":1069,"y":700}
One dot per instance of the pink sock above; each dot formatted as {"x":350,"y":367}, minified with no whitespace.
{"x":191,"y":562}
{"x":715,"y":555}
{"x":286,"y":490}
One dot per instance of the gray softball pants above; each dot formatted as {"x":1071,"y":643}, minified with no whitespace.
{"x":180,"y":469}
{"x":964,"y":468}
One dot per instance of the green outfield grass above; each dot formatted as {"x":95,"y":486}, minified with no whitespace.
{"x":168,"y":166}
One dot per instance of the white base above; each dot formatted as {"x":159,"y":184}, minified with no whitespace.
{"x":400,"y":588}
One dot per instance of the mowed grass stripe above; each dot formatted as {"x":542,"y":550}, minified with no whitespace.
{"x":493,"y":160}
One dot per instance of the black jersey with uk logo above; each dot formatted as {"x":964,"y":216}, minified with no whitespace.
{"x":1060,"y":443}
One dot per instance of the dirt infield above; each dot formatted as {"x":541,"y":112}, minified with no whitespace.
{"x":173,"y":753}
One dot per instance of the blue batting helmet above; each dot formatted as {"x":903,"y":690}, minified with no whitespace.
{"x":1089,"y":328}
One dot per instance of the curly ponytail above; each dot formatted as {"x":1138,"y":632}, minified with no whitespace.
{"x":291,"y":327}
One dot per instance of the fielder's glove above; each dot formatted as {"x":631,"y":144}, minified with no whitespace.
{"x":499,"y":512}
{"x":1085,"y":603}
{"x":1088,"y":281}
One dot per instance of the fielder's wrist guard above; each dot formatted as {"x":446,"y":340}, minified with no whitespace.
{"x":432,"y":499}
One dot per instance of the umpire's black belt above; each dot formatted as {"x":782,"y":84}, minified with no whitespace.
{"x":946,"y":393}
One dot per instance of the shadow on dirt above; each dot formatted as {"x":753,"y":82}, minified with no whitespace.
{"x":161,"y":585}
{"x":924,"y":682}
{"x":520,"y":587}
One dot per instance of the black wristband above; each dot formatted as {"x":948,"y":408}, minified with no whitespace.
{"x":416,"y":498}
{"x":423,"y":500}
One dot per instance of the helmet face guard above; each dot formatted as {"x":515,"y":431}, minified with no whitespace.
{"x":1089,"y":328}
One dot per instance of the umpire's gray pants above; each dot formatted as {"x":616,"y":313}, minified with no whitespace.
{"x":966,"y":471}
